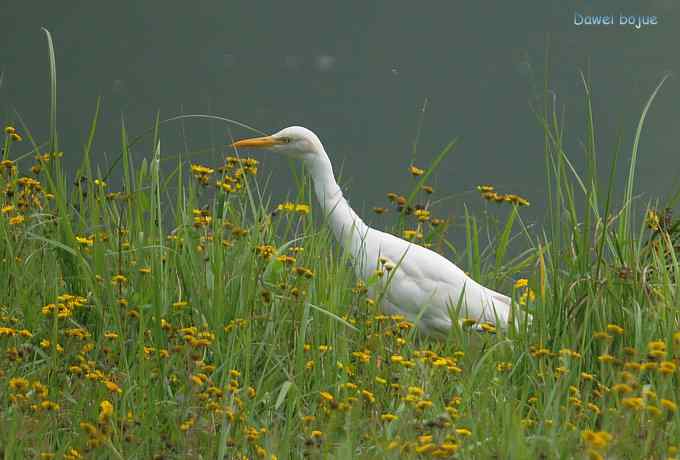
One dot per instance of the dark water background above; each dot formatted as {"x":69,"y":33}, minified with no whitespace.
{"x":357,"y":73}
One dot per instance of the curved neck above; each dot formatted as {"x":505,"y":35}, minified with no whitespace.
{"x":347,"y":226}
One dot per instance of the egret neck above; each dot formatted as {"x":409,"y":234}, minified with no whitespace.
{"x":347,"y":226}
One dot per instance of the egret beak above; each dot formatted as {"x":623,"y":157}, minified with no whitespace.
{"x":256,"y":143}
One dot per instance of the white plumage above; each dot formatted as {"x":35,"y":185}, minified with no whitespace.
{"x":417,"y":282}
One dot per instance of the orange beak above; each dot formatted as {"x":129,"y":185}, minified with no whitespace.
{"x":256,"y":143}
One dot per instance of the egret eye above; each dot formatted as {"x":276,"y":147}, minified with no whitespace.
{"x":284,"y":140}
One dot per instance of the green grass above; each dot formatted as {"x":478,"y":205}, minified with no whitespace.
{"x":205,"y":342}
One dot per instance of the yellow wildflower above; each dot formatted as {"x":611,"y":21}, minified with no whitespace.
{"x":463,"y":432}
{"x":112,"y":387}
{"x":72,"y":454}
{"x":606,"y":358}
{"x":528,"y":296}
{"x":422,"y":214}
{"x":653,"y":220}
{"x":635,"y":403}
{"x":18,"y":384}
{"x":17,"y":220}
{"x":667,"y":367}
{"x":615,"y":329}
{"x":105,"y":411}
{"x":596,"y":439}
{"x":412,"y":234}
{"x":669,"y":405}
{"x":368,"y":396}
{"x":521,"y":283}
{"x":118,"y":279}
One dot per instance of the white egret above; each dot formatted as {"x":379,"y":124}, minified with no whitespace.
{"x":418,"y":283}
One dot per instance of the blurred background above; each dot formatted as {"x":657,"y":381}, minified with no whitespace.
{"x":359,"y":74}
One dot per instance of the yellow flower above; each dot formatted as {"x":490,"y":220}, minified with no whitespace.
{"x":112,"y":387}
{"x":412,"y":234}
{"x":180,"y":304}
{"x":416,"y":391}
{"x":201,"y":170}
{"x":368,"y":396}
{"x":485,"y":188}
{"x":446,"y":448}
{"x":18,"y":384}
{"x":72,"y":454}
{"x":186,"y":425}
{"x":105,"y":410}
{"x":653,"y":220}
{"x":84,"y":241}
{"x":615,"y":329}
{"x":503,"y":366}
{"x":326,"y":395}
{"x":635,"y":403}
{"x":594,"y":408}
{"x":516,"y":199}
{"x":586,"y":376}
{"x":265,"y":251}
{"x":425,"y":448}
{"x":423,"y":404}
{"x":396,"y":359}
{"x":596,"y":439}
{"x":621,"y":388}
{"x":422,"y":214}
{"x":528,"y":295}
{"x":540,"y":352}
{"x":602,"y":335}
{"x":118,"y":279}
{"x":488,"y":327}
{"x":669,"y":405}
{"x":606,"y":358}
{"x":521,"y":283}
{"x":17,"y":220}
{"x":656,"y":345}
{"x":463,"y":432}
{"x":388,"y":417}
{"x":415,"y":171}
{"x":667,"y":367}
{"x":288,"y":260}
{"x":302,"y":208}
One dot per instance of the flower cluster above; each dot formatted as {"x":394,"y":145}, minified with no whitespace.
{"x":489,"y":193}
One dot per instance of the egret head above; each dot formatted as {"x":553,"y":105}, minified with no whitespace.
{"x":295,"y":142}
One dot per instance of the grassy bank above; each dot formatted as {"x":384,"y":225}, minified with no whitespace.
{"x":243,"y":333}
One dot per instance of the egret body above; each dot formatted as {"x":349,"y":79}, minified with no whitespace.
{"x":418,"y":283}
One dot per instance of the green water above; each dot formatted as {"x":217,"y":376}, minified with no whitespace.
{"x":358,"y":73}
